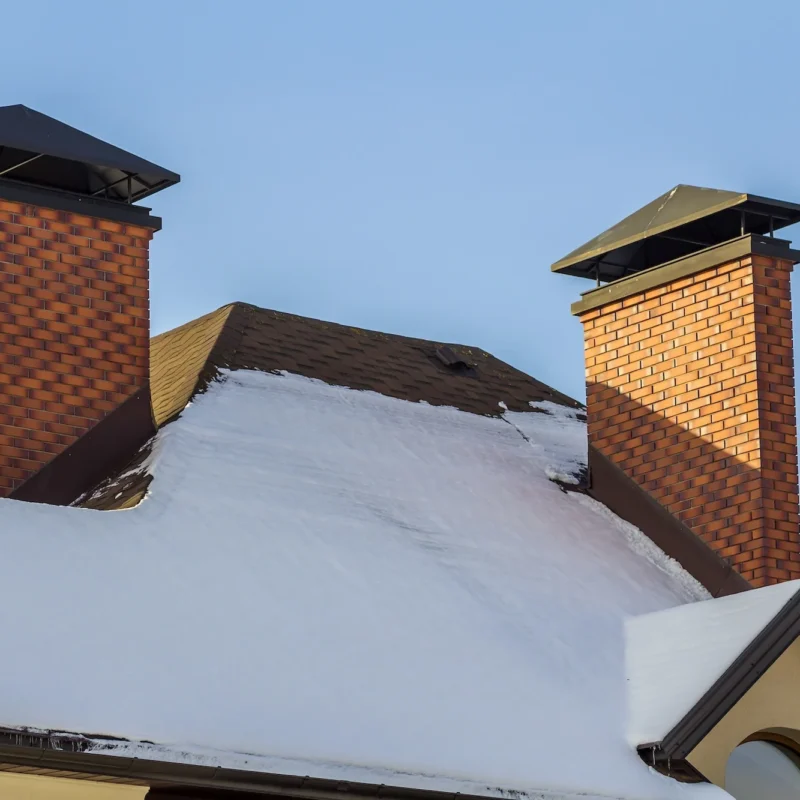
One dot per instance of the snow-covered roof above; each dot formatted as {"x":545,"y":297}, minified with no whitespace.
{"x":336,"y":583}
{"x":244,"y":336}
{"x":676,"y":655}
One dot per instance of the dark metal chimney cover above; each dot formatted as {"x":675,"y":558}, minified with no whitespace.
{"x":40,"y":151}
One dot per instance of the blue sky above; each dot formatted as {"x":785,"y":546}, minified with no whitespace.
{"x":413,"y":166}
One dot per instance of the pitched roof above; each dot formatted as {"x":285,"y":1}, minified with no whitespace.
{"x":341,"y":584}
{"x":243,"y":336}
{"x":687,"y":666}
{"x":177,"y":359}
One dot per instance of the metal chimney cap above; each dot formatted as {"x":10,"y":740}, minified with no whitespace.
{"x":680,"y":222}
{"x":40,"y":151}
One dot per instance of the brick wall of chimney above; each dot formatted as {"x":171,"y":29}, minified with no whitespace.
{"x":74,"y":329}
{"x":691,"y":392}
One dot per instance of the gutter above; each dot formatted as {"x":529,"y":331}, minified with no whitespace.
{"x":68,"y":756}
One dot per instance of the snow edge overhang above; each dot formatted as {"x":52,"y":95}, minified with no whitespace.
{"x":70,"y":756}
{"x":670,"y":755}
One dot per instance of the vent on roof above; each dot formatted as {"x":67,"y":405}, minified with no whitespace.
{"x":454,"y":362}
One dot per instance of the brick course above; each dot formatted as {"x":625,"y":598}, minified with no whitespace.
{"x":74,"y":329}
{"x":690,"y":391}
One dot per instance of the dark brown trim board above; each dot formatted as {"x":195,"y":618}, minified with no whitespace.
{"x":612,"y":487}
{"x":669,"y":754}
{"x":102,"y":450}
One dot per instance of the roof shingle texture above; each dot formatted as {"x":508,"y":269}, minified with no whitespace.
{"x":397,"y":366}
{"x":177,"y":358}
{"x":243,"y":336}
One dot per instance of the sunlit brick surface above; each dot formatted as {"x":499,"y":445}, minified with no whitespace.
{"x":691,"y":392}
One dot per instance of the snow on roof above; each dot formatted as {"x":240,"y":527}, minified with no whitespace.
{"x":674,"y":656}
{"x":349,"y":585}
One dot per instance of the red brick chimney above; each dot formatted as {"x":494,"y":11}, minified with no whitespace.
{"x":689,"y":368}
{"x":74,"y":292}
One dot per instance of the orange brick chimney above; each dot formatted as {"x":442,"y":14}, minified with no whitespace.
{"x":74,"y":293}
{"x":689,"y":368}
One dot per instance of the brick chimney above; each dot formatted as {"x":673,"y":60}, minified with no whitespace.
{"x":74,"y":291}
{"x":689,"y":368}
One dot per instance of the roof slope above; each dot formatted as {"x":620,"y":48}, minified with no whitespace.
{"x":248,"y":337}
{"x":344,"y":584}
{"x":178,"y":358}
{"x":675,"y":656}
{"x":242,"y":336}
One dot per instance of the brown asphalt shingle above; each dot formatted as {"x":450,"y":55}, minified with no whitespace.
{"x":398,"y":366}
{"x":177,"y":358}
{"x":242,"y":336}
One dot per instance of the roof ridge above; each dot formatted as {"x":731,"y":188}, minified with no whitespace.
{"x":290,"y":314}
{"x":240,"y":335}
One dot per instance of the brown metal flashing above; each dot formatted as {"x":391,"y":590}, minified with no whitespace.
{"x":729,"y":688}
{"x":101,"y":451}
{"x":683,"y":267}
{"x":612,"y":487}
{"x":64,"y":756}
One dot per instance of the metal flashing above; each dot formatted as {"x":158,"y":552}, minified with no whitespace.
{"x":611,"y":486}
{"x":103,"y":449}
{"x":749,"y":244}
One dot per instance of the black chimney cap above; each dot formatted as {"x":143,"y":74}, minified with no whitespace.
{"x":38,"y":150}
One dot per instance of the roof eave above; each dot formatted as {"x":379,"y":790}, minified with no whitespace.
{"x":62,"y":755}
{"x":730,"y":687}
